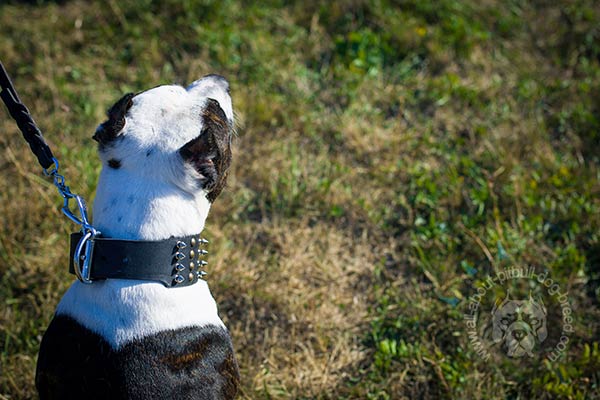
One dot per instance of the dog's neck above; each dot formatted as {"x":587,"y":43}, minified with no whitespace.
{"x":142,"y":208}
{"x":121,"y":310}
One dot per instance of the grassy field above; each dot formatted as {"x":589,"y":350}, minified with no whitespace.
{"x":391,"y":155}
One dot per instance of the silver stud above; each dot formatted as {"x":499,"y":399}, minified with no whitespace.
{"x":181,"y":245}
{"x":203,"y":252}
{"x":179,"y":267}
{"x":192,"y":265}
{"x":191,"y":276}
{"x":179,"y":279}
{"x":193,"y":242}
{"x":202,"y":274}
{"x":202,"y":263}
{"x":179,"y":256}
{"x":203,"y":241}
{"x":192,"y":254}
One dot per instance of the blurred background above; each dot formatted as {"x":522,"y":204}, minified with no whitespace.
{"x":390,"y":155}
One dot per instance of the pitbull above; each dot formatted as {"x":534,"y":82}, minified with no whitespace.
{"x":517,"y":324}
{"x":165,"y":155}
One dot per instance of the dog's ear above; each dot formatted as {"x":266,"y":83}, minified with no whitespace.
{"x":111,"y":128}
{"x":210,"y":153}
{"x":213,"y":87}
{"x":542,"y":331}
{"x":538,"y":301}
{"x":499,"y":304}
{"x":497,"y":333}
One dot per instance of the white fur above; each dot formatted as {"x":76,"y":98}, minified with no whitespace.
{"x":153,"y":196}
{"x":123,"y":310}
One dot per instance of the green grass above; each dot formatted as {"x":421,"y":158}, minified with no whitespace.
{"x":391,"y":155}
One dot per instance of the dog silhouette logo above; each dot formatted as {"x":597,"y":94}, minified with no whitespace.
{"x":518,"y":324}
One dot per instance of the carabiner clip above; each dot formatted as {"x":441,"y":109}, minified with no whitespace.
{"x":82,"y":259}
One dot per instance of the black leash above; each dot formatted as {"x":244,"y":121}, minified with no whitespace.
{"x":25,"y":122}
{"x":40,"y":148}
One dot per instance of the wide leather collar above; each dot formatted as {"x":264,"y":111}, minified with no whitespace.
{"x":174,"y":262}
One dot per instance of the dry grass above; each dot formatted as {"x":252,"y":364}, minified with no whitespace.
{"x":384,"y":149}
{"x":295,"y":306}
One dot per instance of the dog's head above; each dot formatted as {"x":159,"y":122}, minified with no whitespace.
{"x":172,"y":135}
{"x":518,"y":323}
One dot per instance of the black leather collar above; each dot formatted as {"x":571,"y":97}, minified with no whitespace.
{"x":174,"y":262}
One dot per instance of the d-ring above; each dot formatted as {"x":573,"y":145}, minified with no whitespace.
{"x":86,"y":243}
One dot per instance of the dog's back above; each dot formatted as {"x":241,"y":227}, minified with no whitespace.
{"x":187,"y":363}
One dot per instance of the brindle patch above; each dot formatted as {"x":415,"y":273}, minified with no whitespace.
{"x":216,"y":122}
{"x":188,"y":363}
{"x":229,"y":370}
{"x":189,"y":359}
{"x":210,"y":153}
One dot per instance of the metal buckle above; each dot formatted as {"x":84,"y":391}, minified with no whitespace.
{"x":85,"y":246}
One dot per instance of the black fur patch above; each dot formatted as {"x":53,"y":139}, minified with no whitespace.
{"x":210,"y":153}
{"x":188,"y":363}
{"x":114,"y":163}
{"x":109,"y":130}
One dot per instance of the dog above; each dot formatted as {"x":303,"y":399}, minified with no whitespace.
{"x":517,"y":324}
{"x":165,"y":155}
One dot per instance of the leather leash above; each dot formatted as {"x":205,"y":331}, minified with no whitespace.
{"x":21,"y":115}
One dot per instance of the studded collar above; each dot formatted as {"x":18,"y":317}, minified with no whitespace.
{"x":174,"y":262}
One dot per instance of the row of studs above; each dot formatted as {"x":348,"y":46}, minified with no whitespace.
{"x":198,"y":263}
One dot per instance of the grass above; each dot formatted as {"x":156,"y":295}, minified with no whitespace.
{"x":391,"y":156}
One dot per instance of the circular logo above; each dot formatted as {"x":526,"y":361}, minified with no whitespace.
{"x":510,"y":312}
